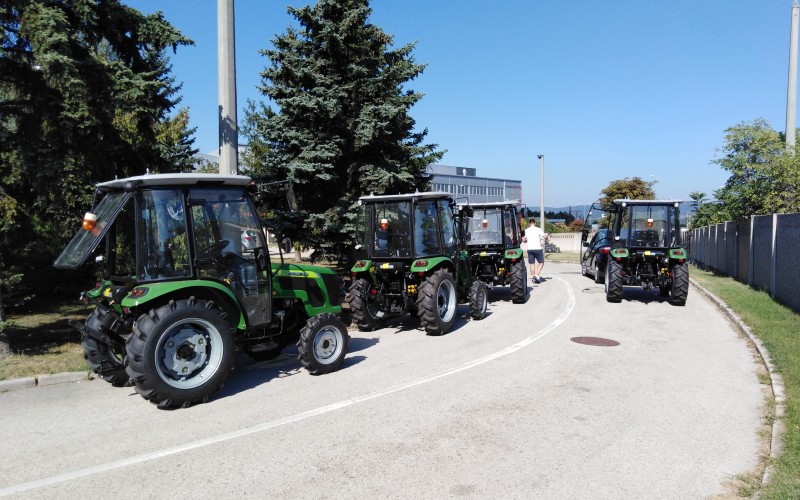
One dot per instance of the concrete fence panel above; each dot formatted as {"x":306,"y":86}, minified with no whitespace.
{"x":712,"y":247}
{"x":730,"y":248}
{"x":787,"y":260}
{"x":565,"y":242}
{"x":721,"y":246}
{"x":743,"y":251}
{"x":762,"y":252}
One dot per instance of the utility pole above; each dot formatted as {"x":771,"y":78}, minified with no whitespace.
{"x":541,"y":193}
{"x":226,"y":76}
{"x":791,"y":98}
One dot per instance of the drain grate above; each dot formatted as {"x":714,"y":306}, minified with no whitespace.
{"x":595,"y":341}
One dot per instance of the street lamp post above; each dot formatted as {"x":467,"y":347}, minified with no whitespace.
{"x":541,"y":193}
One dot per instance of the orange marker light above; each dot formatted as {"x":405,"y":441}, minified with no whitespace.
{"x":89,"y":221}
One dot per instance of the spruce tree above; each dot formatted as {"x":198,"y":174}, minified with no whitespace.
{"x":85,"y":95}
{"x":340,"y":127}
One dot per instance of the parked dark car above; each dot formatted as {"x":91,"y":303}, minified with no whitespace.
{"x":595,"y":256}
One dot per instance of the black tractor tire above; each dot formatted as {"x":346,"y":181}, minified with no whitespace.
{"x":323,"y":344}
{"x":599,"y":277}
{"x":363,"y":306}
{"x":478,"y":300}
{"x":437,"y":302}
{"x":181,"y":353}
{"x":680,"y":284}
{"x":519,"y":282}
{"x":106,"y":359}
{"x":613,"y":281}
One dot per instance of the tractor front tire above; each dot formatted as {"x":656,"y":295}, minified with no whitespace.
{"x":437,"y":302}
{"x":477,"y":299}
{"x":613,"y":281}
{"x":519,"y":282}
{"x":680,"y":284}
{"x":323,"y":344}
{"x":181,"y":353}
{"x":363,"y":306}
{"x":106,"y":359}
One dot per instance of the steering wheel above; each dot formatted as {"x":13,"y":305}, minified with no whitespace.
{"x":214,"y":251}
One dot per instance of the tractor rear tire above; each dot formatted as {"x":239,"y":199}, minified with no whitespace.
{"x":477,"y":299}
{"x":323,"y":344}
{"x":680,"y":284}
{"x":363,"y":306}
{"x":613,"y":281}
{"x":519,"y":282}
{"x":181,"y":353}
{"x":437,"y":302}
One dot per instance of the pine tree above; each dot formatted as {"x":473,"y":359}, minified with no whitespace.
{"x":341,"y":128}
{"x":85,"y":95}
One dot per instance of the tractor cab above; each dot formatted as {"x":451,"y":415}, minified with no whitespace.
{"x":172,"y":227}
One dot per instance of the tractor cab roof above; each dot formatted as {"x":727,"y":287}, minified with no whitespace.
{"x":425,"y":195}
{"x":491,"y":204}
{"x":131,"y":183}
{"x":625,"y":201}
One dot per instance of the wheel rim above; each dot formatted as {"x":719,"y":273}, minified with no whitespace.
{"x":328,"y":344}
{"x":484,"y":300}
{"x":187,"y":354}
{"x":445,"y":300}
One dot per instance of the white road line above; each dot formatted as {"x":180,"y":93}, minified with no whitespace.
{"x":118,"y":464}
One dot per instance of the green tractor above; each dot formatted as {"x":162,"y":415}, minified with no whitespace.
{"x":494,"y":247}
{"x":186,"y":280}
{"x":646,"y":249}
{"x":415,"y":261}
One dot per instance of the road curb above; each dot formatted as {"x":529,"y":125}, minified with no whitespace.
{"x":43,"y":380}
{"x":776,"y":381}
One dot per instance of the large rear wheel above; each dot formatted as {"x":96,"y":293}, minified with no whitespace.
{"x":437,"y":303}
{"x":613,"y":281}
{"x":181,"y":353}
{"x":365,"y":305}
{"x":680,"y":284}
{"x":519,"y":282}
{"x":323,"y":344}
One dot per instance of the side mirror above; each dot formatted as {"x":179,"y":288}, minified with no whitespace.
{"x":286,"y":245}
{"x":586,"y":243}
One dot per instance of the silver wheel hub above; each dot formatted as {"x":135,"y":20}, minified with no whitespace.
{"x":327,"y":344}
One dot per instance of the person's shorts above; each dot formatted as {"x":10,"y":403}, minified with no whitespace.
{"x":535,"y":256}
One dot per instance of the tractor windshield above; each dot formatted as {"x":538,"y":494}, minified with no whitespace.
{"x":493,"y":226}
{"x":650,"y":226}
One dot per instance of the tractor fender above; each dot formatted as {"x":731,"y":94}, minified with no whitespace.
{"x":431,"y":264}
{"x":155,"y":294}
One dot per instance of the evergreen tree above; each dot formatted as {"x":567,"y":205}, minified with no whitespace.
{"x":85,"y":95}
{"x":340,"y":128}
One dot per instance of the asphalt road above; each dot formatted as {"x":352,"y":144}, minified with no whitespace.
{"x":508,"y":406}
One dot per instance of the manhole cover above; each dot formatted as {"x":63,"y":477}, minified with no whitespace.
{"x":596,"y":341}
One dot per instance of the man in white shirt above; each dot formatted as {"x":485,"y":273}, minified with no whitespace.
{"x":535,"y":238}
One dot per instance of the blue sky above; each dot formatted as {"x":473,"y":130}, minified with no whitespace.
{"x":604,"y":89}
